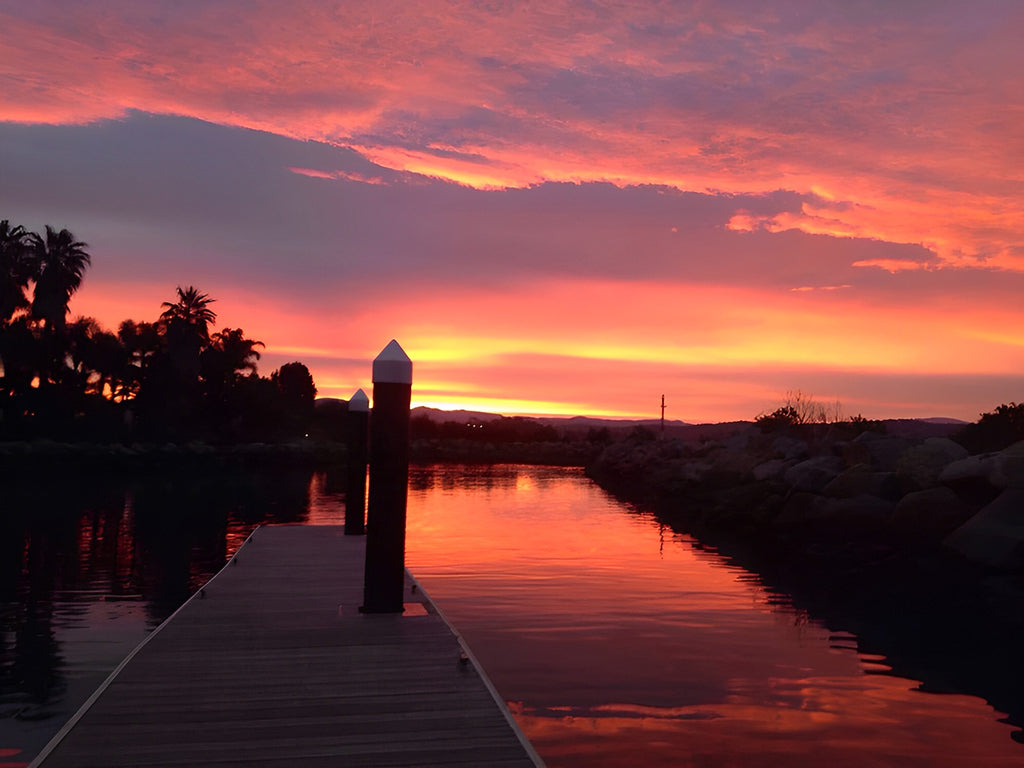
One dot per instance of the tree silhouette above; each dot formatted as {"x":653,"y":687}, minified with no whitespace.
{"x":15,"y":270}
{"x":170,"y":379}
{"x":238,"y":354}
{"x":17,"y":345}
{"x":222,"y":365}
{"x":298,"y":393}
{"x":186,"y":325}
{"x":296,"y":384}
{"x":141,"y":343}
{"x":58,"y":263}
{"x":98,"y":359}
{"x":191,"y":311}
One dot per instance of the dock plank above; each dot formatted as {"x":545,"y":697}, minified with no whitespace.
{"x":274,"y":665}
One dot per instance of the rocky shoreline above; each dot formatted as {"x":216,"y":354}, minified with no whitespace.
{"x":913,"y":544}
{"x":864,"y":492}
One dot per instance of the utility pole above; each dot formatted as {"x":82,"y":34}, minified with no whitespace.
{"x":663,"y":415}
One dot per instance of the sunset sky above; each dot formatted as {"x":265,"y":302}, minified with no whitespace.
{"x":557,"y":207}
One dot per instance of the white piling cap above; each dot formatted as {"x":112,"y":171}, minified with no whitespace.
{"x":392,"y":365}
{"x":359,"y":402}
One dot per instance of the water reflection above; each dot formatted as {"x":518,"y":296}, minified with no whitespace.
{"x":622,"y":643}
{"x":618,"y":641}
{"x":90,"y":564}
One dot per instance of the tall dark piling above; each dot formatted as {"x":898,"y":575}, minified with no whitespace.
{"x":384,"y":583}
{"x":357,"y":436}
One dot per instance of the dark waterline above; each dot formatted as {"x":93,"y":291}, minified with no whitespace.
{"x":616,"y":641}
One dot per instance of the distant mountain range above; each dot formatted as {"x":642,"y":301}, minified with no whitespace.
{"x":933,"y":426}
{"x":583,"y":422}
{"x":937,"y":425}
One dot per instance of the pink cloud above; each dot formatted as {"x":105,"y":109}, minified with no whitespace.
{"x":891,"y":266}
{"x":313,"y":173}
{"x":906,"y":117}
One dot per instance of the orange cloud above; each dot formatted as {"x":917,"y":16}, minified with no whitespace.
{"x":347,"y":175}
{"x":891,"y":266}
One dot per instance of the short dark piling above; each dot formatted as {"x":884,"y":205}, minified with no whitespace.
{"x":384,"y":583}
{"x":357,"y":424}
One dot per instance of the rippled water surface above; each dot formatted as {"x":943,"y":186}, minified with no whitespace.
{"x":616,"y":641}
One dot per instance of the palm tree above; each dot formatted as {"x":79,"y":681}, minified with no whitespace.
{"x":186,"y":330}
{"x":58,"y":263}
{"x":191,"y":310}
{"x":98,"y":360}
{"x":222,"y":366}
{"x":238,"y":352}
{"x":142,"y":344}
{"x":15,"y":271}
{"x":15,"y":341}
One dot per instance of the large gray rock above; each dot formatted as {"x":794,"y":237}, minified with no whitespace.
{"x":738,"y":441}
{"x":853,"y":453}
{"x":687,"y":471}
{"x":814,"y":474}
{"x":924,"y":463}
{"x":809,"y":508}
{"x":799,"y":508}
{"x":859,"y":509}
{"x":790,"y":447}
{"x":968,"y":470}
{"x":860,"y":480}
{"x":994,"y":536}
{"x":931,"y":511}
{"x":771,"y":469}
{"x":1008,"y":467}
{"x":885,"y":450}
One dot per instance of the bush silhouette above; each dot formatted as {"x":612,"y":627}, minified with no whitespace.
{"x":994,"y":430}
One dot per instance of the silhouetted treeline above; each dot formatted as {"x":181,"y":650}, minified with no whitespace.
{"x":512,"y":429}
{"x":995,"y":430}
{"x":170,"y":379}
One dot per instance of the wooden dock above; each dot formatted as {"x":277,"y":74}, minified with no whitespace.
{"x":273,"y":665}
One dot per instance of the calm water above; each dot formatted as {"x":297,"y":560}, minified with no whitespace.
{"x":617,"y":642}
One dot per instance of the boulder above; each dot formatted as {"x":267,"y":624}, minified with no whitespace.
{"x":770,"y":469}
{"x":885,"y":450}
{"x":744,"y":504}
{"x":809,"y":508}
{"x":857,"y":510}
{"x":924,"y":463}
{"x":738,"y":441}
{"x":814,"y":474}
{"x":968,"y":471}
{"x":853,"y":453}
{"x":860,"y":480}
{"x":681,"y":471}
{"x":790,"y":447}
{"x":994,"y":536}
{"x":799,"y":508}
{"x":1008,"y":467}
{"x":933,"y":511}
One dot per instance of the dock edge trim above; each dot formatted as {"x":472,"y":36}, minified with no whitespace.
{"x":53,"y":743}
{"x":502,"y":706}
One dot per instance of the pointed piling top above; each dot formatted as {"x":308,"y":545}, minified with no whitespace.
{"x":359,"y":402}
{"x":392,"y":365}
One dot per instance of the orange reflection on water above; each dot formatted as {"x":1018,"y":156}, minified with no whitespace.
{"x":836,"y":721}
{"x":622,"y":644}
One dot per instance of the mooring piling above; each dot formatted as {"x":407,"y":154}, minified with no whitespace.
{"x":389,"y":477}
{"x":358,"y":424}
